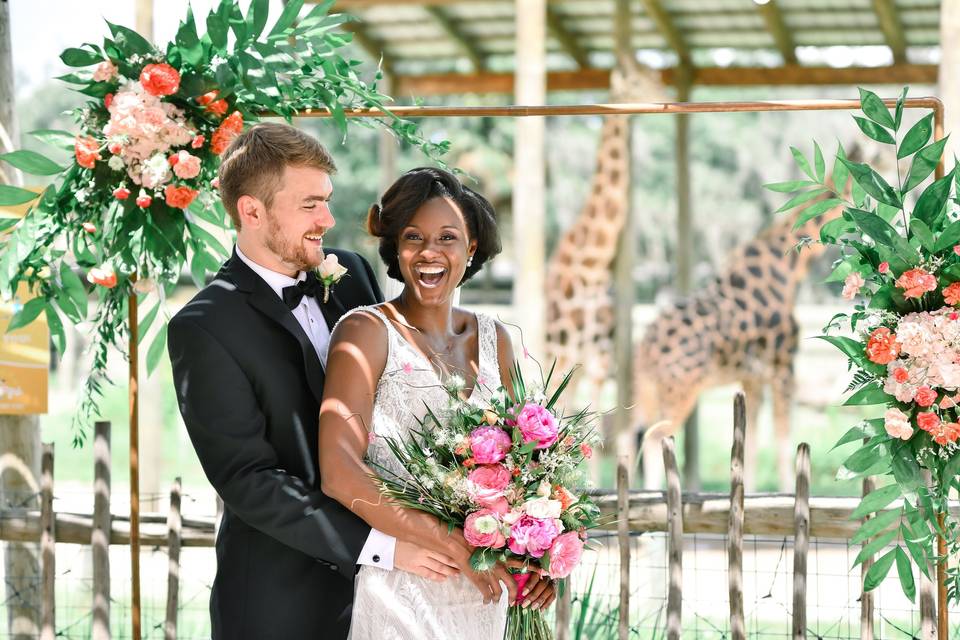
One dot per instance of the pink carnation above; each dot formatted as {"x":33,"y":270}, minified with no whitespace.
{"x":482,"y":529}
{"x":486,"y":485}
{"x":187,"y":165}
{"x":897,"y":424}
{"x":852,"y":285}
{"x":916,"y":282}
{"x":105,"y":71}
{"x":538,"y":425}
{"x":925,"y":396}
{"x":489,"y":445}
{"x":565,"y":554}
{"x":533,"y":536}
{"x":951,"y":294}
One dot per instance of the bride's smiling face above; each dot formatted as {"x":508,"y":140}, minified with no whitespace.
{"x":433,"y":249}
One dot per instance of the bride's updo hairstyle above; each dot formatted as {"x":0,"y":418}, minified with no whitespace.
{"x":410,"y":192}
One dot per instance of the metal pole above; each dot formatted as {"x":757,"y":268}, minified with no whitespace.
{"x":134,"y":468}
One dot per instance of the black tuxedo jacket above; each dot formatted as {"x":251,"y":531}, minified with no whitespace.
{"x":249,"y":385}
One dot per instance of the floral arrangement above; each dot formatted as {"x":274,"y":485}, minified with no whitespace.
{"x":900,"y":264}
{"x":136,"y":206}
{"x":509,"y":476}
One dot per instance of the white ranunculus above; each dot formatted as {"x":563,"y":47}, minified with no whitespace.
{"x":543,"y":508}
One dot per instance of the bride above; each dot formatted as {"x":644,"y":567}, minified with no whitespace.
{"x":386,"y":364}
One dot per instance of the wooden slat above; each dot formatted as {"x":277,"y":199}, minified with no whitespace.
{"x":174,"y":524}
{"x":667,"y":28}
{"x":588,"y":79}
{"x":100,"y":533}
{"x":562,"y":624}
{"x":892,"y":27}
{"x":773,"y":18}
{"x":467,"y":44}
{"x":623,"y":542}
{"x":866,"y":597}
{"x":735,"y":528}
{"x":674,"y":541}
{"x":48,"y":551}
{"x":801,"y":542}
{"x":566,"y":38}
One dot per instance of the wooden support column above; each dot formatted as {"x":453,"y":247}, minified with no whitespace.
{"x":529,"y":189}
{"x":866,"y":597}
{"x":735,"y":530}
{"x":174,"y":526}
{"x":949,"y":72}
{"x":100,"y":535}
{"x":48,"y":547}
{"x":674,"y":542}
{"x":623,"y":543}
{"x":801,"y":542}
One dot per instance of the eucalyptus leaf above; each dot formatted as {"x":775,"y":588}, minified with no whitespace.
{"x":789,"y":186}
{"x":802,"y":163}
{"x":874,"y":546}
{"x":800,"y":198}
{"x":949,"y":237}
{"x":55,"y":138}
{"x":57,"y":334}
{"x":816,"y":209}
{"x":74,"y":57}
{"x":922,"y":233}
{"x":819,"y":166}
{"x":898,"y":112}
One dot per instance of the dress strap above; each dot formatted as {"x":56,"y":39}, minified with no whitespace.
{"x":489,"y":365}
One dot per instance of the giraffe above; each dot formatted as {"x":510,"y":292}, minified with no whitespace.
{"x":579,"y":307}
{"x":739,"y":328}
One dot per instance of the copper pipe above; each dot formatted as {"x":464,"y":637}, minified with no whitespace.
{"x":134,"y":466}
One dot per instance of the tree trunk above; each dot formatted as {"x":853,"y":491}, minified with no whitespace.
{"x":949,"y":89}
{"x":19,"y":435}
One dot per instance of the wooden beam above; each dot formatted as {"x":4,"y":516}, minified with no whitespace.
{"x":667,"y":28}
{"x":892,"y":28}
{"x":777,"y":27}
{"x":566,"y":38}
{"x":588,"y":79}
{"x":465,"y":42}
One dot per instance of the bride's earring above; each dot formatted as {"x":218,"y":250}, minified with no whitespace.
{"x":470,"y":261}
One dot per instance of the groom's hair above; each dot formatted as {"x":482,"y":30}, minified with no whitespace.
{"x":254,"y":163}
{"x":414,"y":189}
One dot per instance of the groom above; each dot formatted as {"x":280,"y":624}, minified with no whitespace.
{"x":248,"y":358}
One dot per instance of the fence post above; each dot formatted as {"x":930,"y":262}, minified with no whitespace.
{"x":866,"y":598}
{"x":48,"y":551}
{"x":174,"y":524}
{"x":100,"y":532}
{"x":735,"y":527}
{"x":674,"y":541}
{"x":623,"y":542}
{"x":801,"y":542}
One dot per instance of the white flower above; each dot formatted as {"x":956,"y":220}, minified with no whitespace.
{"x":454,"y":383}
{"x":116,"y":163}
{"x":330,"y":270}
{"x":81,"y":196}
{"x":486,"y":524}
{"x":543,"y":508}
{"x":155,"y":171}
{"x":544,"y":489}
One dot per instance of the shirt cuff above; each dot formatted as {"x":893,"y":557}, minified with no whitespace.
{"x":378,"y":550}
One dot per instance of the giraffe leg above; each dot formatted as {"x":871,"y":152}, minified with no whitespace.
{"x":653,"y":472}
{"x":783,"y":389}
{"x":753,"y":396}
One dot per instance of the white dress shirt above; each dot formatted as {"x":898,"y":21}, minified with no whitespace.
{"x":379,"y":549}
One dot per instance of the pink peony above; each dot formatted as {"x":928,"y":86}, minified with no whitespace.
{"x":897,"y":424}
{"x":538,"y":425}
{"x":533,"y":536}
{"x":916,"y":282}
{"x":565,"y":554}
{"x":489,"y":445}
{"x":187,"y":166}
{"x":482,"y":529}
{"x":105,"y":71}
{"x":852,"y":285}
{"x":486,"y":485}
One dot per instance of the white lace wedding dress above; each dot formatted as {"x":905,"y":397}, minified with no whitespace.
{"x":396,"y":605}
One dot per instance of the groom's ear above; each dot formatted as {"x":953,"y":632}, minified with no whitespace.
{"x":251,"y":211}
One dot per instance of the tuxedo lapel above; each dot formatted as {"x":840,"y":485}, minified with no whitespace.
{"x":267,"y":302}
{"x":332,"y":309}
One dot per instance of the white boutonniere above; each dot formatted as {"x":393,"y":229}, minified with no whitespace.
{"x":329,"y":273}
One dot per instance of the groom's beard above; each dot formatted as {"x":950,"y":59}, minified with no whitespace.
{"x":290,"y":253}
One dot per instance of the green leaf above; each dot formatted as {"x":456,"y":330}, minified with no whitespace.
{"x":290,"y":12}
{"x":883,"y":233}
{"x":906,"y":471}
{"x":55,"y":138}
{"x":7,"y":223}
{"x":74,"y":288}
{"x":819,"y":166}
{"x":802,"y":163}
{"x":917,"y":137}
{"x":74,"y":57}
{"x":129,"y":40}
{"x":157,"y":348}
{"x":874,"y":108}
{"x":32,"y":162}
{"x":208,"y":240}
{"x":874,"y":526}
{"x":11,"y":196}
{"x":57,"y":334}
{"x":187,"y":41}
{"x":816,"y":209}
{"x":800,"y":198}
{"x":834,"y":229}
{"x":868,"y":395}
{"x":872,"y":183}
{"x":878,"y":571}
{"x":898,"y":112}
{"x":864,"y":430}
{"x":844,"y":268}
{"x":905,"y":571}
{"x":874,"y":131}
{"x":915,"y":550}
{"x":949,"y":237}
{"x":922,"y":233}
{"x":144,"y":325}
{"x":863,"y":458}
{"x":27,"y":314}
{"x":924,"y":163}
{"x":931,"y":201}
{"x":789,"y":186}
{"x":483,"y":559}
{"x":257,"y":17}
{"x":840,"y":171}
{"x":874,"y":546}
{"x":217,"y":30}
{"x":876,"y":500}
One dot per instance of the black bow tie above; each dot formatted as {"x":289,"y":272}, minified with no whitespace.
{"x":293,"y":294}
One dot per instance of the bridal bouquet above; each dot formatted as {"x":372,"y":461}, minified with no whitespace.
{"x":509,"y":475}
{"x":900,"y":263}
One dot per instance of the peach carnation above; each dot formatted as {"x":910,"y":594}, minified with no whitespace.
{"x":882,"y":348}
{"x":160,"y":79}
{"x":916,"y":282}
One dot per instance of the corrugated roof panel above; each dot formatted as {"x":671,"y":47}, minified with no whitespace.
{"x":922,"y":37}
{"x":730,"y":39}
{"x":719,"y":21}
{"x":828,"y":38}
{"x":920,"y":17}
{"x":831,"y":19}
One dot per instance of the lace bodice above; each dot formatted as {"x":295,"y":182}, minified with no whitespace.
{"x":394,"y":605}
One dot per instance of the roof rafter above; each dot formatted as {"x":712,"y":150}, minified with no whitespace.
{"x":567,"y":40}
{"x":452,"y":29}
{"x":777,"y":27}
{"x":667,"y":28}
{"x":892,"y":28}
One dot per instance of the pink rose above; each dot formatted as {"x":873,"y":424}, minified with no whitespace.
{"x":486,"y":485}
{"x":565,"y":554}
{"x":533,"y":536}
{"x":538,"y":425}
{"x":489,"y":445}
{"x":187,"y":166}
{"x":482,"y":529}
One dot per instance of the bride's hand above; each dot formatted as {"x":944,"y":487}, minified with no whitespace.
{"x":425,"y":563}
{"x":488,"y":583}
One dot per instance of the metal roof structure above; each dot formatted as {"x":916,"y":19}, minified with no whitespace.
{"x":460,"y":46}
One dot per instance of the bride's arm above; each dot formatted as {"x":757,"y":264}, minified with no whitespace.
{"x":356,"y":360}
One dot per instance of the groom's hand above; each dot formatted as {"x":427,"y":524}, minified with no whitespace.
{"x":425,"y":563}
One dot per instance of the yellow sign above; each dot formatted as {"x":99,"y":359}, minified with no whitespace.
{"x":24,"y":355}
